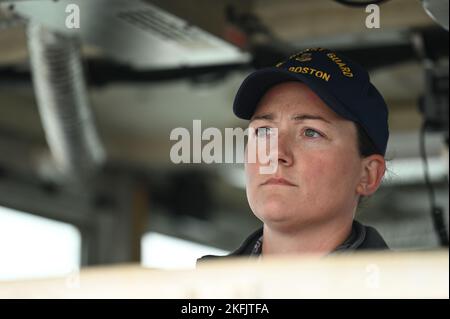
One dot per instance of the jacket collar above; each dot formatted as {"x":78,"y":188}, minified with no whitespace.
{"x":357,"y":239}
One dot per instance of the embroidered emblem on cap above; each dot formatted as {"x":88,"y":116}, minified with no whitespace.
{"x":304,"y":57}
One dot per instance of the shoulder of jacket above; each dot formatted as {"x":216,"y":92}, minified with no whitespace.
{"x":244,"y":249}
{"x":373,"y":239}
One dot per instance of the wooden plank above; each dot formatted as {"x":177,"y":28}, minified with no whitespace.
{"x":364,"y":275}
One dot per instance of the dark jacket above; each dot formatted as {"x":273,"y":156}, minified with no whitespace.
{"x":361,"y":238}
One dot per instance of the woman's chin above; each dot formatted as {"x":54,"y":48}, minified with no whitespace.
{"x":275,"y":209}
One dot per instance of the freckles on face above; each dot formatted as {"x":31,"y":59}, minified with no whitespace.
{"x":323,"y":164}
{"x":330,"y":176}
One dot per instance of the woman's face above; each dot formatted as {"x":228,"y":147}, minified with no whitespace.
{"x":317,"y":157}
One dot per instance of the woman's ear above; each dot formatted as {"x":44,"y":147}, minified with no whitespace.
{"x":373,"y":169}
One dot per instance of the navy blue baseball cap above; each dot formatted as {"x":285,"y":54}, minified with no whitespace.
{"x":341,"y":83}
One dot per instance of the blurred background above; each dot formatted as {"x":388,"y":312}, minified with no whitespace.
{"x":86,"y":114}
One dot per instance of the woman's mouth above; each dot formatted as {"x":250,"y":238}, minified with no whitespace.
{"x":278,"y":181}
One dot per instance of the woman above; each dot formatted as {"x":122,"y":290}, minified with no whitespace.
{"x":332,"y":132}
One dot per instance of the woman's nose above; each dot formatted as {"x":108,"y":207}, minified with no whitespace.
{"x":285,"y":155}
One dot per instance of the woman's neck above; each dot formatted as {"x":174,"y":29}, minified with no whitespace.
{"x":312,"y":239}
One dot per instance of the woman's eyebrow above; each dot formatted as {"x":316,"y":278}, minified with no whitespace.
{"x":302,"y":117}
{"x":268,"y":116}
{"x":295,"y":117}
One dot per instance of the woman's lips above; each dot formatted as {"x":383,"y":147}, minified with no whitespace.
{"x":278,"y":181}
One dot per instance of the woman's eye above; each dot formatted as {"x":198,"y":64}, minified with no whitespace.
{"x":312,"y":133}
{"x":263,"y":131}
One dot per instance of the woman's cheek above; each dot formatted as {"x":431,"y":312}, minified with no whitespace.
{"x":316,"y":172}
{"x":335,"y":171}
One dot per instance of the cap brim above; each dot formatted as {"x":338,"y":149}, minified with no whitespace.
{"x":259,"y":82}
